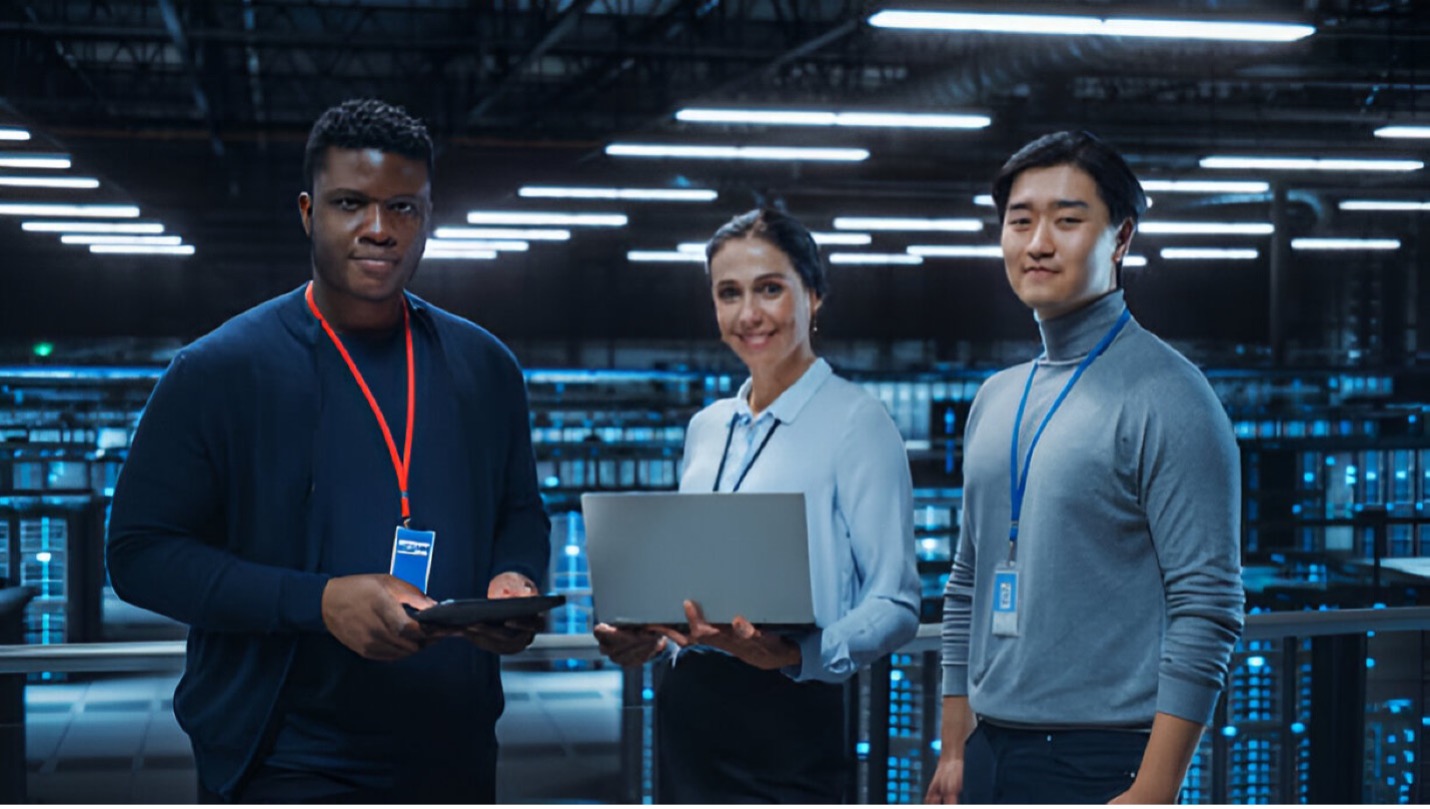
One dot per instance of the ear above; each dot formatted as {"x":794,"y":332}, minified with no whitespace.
{"x":1124,"y":240}
{"x":815,"y":301}
{"x":305,"y":212}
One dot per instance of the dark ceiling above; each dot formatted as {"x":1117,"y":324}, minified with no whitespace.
{"x":197,"y":111}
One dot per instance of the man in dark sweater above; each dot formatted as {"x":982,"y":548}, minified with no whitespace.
{"x":268,"y":477}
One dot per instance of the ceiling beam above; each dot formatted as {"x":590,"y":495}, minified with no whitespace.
{"x":175,"y":27}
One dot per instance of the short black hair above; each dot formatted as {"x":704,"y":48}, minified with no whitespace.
{"x":784,"y":232}
{"x":366,"y":123}
{"x":1116,"y":184}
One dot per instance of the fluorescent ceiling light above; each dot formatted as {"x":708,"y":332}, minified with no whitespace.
{"x":1209,"y":253}
{"x":874,"y":258}
{"x":16,"y":160}
{"x":840,"y":239}
{"x":1345,"y":244}
{"x":100,"y":211}
{"x":737,"y":152}
{"x":902,"y":120}
{"x":1207,"y":186}
{"x":987,"y":251}
{"x":13,"y":133}
{"x":550,"y":235}
{"x":1403,"y":132}
{"x":843,"y":239}
{"x":591,"y":220}
{"x":956,"y":250}
{"x":659,"y":194}
{"x":470,"y":255}
{"x":985,"y":200}
{"x":499,"y":245}
{"x":906,"y":223}
{"x":1310,"y":163}
{"x":665,"y":256}
{"x":90,"y":238}
{"x":144,"y":249}
{"x":1081,"y":25}
{"x":1383,"y":205}
{"x":49,"y":182}
{"x":93,"y":227}
{"x":1208,"y":228}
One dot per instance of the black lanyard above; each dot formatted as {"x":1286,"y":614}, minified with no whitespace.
{"x":729,"y":436}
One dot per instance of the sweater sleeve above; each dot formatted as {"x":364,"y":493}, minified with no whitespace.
{"x":167,"y":550}
{"x":958,"y":612}
{"x":1191,"y":486}
{"x":523,"y":531}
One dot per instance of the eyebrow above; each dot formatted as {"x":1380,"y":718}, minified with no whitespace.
{"x":778,"y":276}
{"x":1062,"y":203}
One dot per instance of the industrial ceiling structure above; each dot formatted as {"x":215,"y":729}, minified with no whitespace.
{"x":196,"y":112}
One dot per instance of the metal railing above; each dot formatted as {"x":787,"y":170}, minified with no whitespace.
{"x":1336,"y":728}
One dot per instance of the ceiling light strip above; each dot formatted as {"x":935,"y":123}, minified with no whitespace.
{"x":737,"y":152}
{"x":1083,"y":25}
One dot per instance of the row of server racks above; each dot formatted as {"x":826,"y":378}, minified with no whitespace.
{"x":1336,"y":475}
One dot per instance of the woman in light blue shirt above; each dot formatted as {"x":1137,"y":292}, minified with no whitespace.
{"x":750,"y":716}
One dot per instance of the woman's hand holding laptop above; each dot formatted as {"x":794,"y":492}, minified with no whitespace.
{"x":739,"y":637}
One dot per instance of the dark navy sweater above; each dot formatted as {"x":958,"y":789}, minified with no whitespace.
{"x":258,"y":472}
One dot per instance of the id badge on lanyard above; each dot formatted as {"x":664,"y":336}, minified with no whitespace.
{"x":412,"y":556}
{"x":411,"y":549}
{"x":1005,"y":600}
{"x":1005,"y":576}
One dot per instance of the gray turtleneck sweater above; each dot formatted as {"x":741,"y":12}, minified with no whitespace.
{"x":1128,"y":553}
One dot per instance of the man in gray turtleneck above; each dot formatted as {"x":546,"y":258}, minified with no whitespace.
{"x":1089,"y":624}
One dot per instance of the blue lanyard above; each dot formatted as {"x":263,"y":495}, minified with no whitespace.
{"x":719,"y":473}
{"x":1018,"y":484}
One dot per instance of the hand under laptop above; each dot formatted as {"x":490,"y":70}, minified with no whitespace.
{"x":633,"y":646}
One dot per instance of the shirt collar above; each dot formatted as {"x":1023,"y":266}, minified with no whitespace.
{"x":787,"y":407}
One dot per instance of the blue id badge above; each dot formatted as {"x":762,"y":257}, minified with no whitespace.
{"x":412,"y":556}
{"x":1005,"y":601}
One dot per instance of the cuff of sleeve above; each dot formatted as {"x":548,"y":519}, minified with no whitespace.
{"x":1184,"y":700}
{"x":955,"y":680}
{"x":812,"y":665}
{"x":300,"y":601}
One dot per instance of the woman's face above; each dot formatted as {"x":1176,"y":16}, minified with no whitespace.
{"x":762,"y":306}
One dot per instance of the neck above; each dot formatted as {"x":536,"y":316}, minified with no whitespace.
{"x":766,"y":386}
{"x":1073,"y":334}
{"x":346,"y":313}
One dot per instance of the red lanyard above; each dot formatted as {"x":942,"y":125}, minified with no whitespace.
{"x":403,"y":464}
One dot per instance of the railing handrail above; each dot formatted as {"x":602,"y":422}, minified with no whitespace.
{"x":169,"y":655}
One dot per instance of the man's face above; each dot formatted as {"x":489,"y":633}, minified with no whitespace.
{"x":367,"y":218}
{"x":1059,"y":249}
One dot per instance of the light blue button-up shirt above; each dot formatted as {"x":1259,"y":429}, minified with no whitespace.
{"x":837,"y":445}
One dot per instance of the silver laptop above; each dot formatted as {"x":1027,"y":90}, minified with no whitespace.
{"x":733,"y":554}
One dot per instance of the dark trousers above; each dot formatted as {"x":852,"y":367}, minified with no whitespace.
{"x":473,"y":782}
{"x":727,"y":732}
{"x":1007,"y":765}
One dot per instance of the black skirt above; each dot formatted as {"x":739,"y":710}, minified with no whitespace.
{"x":727,"y":732}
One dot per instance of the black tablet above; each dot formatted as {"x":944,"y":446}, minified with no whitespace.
{"x":458,"y":612}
